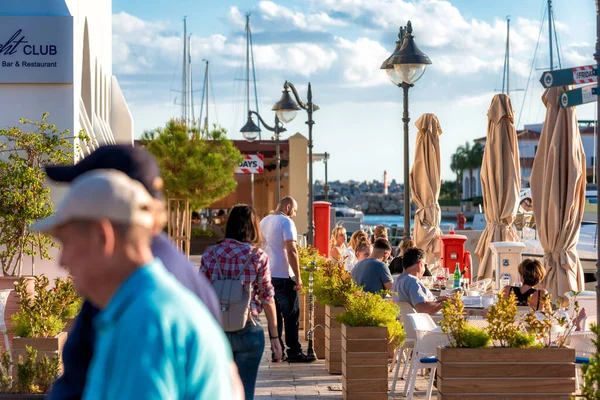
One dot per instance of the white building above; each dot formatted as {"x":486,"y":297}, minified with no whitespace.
{"x":56,"y":57}
{"x":528,"y":140}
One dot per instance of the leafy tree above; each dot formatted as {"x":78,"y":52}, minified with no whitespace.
{"x":192,"y":167}
{"x":472,"y":156}
{"x":458,"y":165}
{"x":24,"y":196}
{"x":448,"y":190}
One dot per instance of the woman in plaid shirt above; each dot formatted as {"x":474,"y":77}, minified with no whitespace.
{"x":242,"y":238}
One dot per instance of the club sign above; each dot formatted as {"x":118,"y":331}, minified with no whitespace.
{"x":252,"y":164}
{"x":36,"y":49}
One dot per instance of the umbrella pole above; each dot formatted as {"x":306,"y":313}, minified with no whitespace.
{"x":597,"y":58}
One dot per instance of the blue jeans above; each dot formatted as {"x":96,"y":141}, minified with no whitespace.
{"x":248,"y":346}
{"x":288,"y":314}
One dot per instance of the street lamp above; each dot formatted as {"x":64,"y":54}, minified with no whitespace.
{"x":326,"y":182}
{"x":250,"y":132}
{"x":404,"y":67}
{"x":286,"y":109}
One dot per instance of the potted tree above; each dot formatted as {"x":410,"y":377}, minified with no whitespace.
{"x":39,"y":323}
{"x":197,"y":167}
{"x":525,"y":358}
{"x":369,"y":328}
{"x":24,"y":195}
{"x":331,"y":289}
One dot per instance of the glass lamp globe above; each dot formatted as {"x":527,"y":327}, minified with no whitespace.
{"x":409,"y":73}
{"x":286,"y":115}
{"x":393,"y":76}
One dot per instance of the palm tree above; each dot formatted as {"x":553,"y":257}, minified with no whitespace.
{"x":458,"y":165}
{"x":473,"y":157}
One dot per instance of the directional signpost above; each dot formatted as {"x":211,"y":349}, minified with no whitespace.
{"x":579,"y":96}
{"x":569,"y":76}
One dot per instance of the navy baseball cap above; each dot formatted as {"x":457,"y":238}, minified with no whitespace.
{"x":135,"y":162}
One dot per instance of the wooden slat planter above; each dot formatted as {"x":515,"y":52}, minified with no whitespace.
{"x":303,"y":312}
{"x":493,"y":373}
{"x":45,"y":346}
{"x":319,"y":331}
{"x":364,"y":363}
{"x":333,"y":340}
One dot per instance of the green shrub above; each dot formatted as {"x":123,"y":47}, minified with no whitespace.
{"x":590,"y":385}
{"x":501,"y":318}
{"x":461,"y":334}
{"x":370,"y":309}
{"x":333,"y":285}
{"x":36,"y":376}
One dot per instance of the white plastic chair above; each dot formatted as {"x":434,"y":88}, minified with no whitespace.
{"x":4,"y":293}
{"x":407,"y":347}
{"x":429,"y":337}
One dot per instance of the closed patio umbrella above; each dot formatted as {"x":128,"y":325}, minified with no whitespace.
{"x":425,"y":182}
{"x":558,"y":182}
{"x":500,"y":181}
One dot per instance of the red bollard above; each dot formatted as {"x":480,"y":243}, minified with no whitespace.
{"x":460,"y":221}
{"x":321,"y":212}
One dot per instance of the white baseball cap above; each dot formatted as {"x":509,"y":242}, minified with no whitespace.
{"x":102,"y":194}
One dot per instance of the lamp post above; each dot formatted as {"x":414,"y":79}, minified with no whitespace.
{"x":250,"y":132}
{"x":286,"y":109}
{"x":404,"y":67}
{"x":326,"y":182}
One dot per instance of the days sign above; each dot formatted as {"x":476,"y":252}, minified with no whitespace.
{"x":36,"y":49}
{"x":579,"y":96}
{"x":568,"y":76}
{"x":252,"y":164}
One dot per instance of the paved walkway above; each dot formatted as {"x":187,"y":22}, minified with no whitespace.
{"x":284,"y":381}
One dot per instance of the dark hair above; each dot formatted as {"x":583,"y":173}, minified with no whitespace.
{"x":382,"y":244}
{"x":532,"y":271}
{"x":195,"y":215}
{"x":243,"y":225}
{"x":413,"y":256}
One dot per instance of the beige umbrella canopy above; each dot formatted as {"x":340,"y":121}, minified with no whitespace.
{"x":500,"y":181}
{"x":558,"y":195}
{"x":425,"y":184}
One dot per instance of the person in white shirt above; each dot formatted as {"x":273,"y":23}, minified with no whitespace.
{"x":279,"y":242}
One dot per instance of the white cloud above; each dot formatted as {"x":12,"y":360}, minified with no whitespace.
{"x":361,"y":60}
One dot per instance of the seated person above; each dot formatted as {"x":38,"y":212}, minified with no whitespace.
{"x":372,"y":273}
{"x":397,"y":264}
{"x":349,"y":252}
{"x":363,"y":250}
{"x":337,"y":243}
{"x":409,"y":288}
{"x":531,"y":273}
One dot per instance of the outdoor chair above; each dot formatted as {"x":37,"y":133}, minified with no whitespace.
{"x":429,"y":337}
{"x":407,"y":346}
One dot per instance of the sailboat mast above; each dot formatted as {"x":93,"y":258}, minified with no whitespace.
{"x":508,"y":54}
{"x":550,"y":32}
{"x":248,"y":62}
{"x":184,"y":90}
{"x":206,"y":80}
{"x":191,"y":80}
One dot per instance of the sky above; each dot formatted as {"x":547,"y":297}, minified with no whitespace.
{"x":338,"y":46}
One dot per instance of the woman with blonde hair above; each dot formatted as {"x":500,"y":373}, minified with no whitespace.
{"x":380,"y":232}
{"x":350,"y":251}
{"x":337,"y":243}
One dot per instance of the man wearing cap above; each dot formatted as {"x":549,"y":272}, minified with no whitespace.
{"x":146,"y":347}
{"x":141,"y":166}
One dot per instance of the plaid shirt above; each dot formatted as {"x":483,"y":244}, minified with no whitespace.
{"x":232,"y":255}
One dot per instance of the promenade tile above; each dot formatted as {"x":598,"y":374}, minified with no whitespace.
{"x":284,"y":381}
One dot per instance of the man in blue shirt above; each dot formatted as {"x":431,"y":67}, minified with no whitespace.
{"x":372,"y":273}
{"x":139,"y":165}
{"x":155,"y":339}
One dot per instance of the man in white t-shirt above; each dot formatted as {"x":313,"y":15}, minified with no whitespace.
{"x":279,"y":242}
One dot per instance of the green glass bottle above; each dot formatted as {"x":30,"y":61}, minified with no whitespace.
{"x":457,"y":276}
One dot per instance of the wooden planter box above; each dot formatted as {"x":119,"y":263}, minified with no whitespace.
{"x":45,"y":346}
{"x":11,"y":396}
{"x":494,"y":373}
{"x":319,"y":330}
{"x":364,"y":363}
{"x":333,"y":340}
